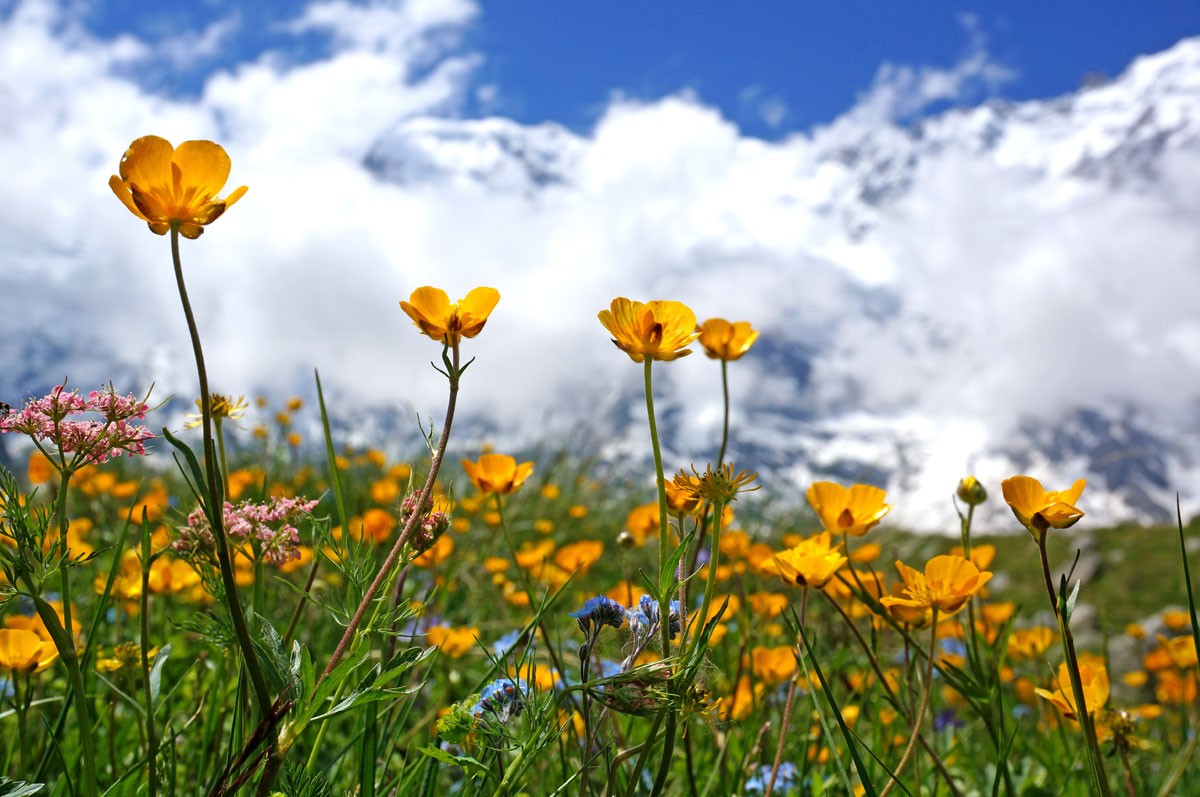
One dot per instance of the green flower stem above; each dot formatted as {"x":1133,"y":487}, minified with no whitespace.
{"x":920,"y":718}
{"x":527,"y":585}
{"x":151,"y":735}
{"x":65,"y":644}
{"x":60,"y":514}
{"x":435,"y":464}
{"x":892,"y":696}
{"x":710,"y":585}
{"x":791,"y":697}
{"x":215,"y":505}
{"x":695,"y":557}
{"x":1091,"y":742}
{"x":664,"y":595}
{"x":725,"y":417}
{"x":64,"y":640}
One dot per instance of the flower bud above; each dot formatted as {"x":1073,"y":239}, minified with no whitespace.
{"x":971,"y":492}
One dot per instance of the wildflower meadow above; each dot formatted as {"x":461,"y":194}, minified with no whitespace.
{"x":251,"y":618}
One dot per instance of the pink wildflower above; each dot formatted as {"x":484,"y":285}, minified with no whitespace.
{"x":107,"y":433}
{"x":430,"y":527}
{"x":270,"y":524}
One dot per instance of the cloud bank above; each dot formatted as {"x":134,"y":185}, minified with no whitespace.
{"x":927,"y":286}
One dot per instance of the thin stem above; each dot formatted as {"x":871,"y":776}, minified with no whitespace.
{"x":1091,"y":742}
{"x":710,"y":584}
{"x":920,"y":718}
{"x":435,"y":464}
{"x":883,"y":681}
{"x":791,"y":697}
{"x":664,"y":595}
{"x":215,"y":506}
{"x":151,"y":735}
{"x":725,"y":421}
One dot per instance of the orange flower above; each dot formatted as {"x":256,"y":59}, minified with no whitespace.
{"x":579,"y":555}
{"x":40,"y":469}
{"x":431,"y":310}
{"x":947,"y":584}
{"x":853,"y":510}
{"x":723,"y":340}
{"x":683,"y":494}
{"x":656,"y":330}
{"x":739,"y":705}
{"x":497,"y":474}
{"x":1038,"y":509}
{"x":452,"y":642}
{"x":168,"y":187}
{"x":773,"y":665}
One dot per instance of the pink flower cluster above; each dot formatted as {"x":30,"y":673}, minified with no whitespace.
{"x":250,"y":521}
{"x":49,"y":420}
{"x":432,"y":525}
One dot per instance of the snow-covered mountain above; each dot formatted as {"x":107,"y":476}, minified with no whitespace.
{"x":1132,"y":142}
{"x":999,"y":288}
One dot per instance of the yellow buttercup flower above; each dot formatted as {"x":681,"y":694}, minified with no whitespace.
{"x":434,"y":314}
{"x":174,"y":187}
{"x":812,"y":563}
{"x":453,"y":642}
{"x":1038,"y":509}
{"x":24,"y":651}
{"x":724,"y":340}
{"x":854,"y":510}
{"x":773,"y":666}
{"x":498,"y":474}
{"x":947,"y":584}
{"x":656,"y":330}
{"x":1094,"y":677}
{"x":1030,"y":643}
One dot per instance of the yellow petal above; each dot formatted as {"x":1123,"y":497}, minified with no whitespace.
{"x":204,"y":167}
{"x":147,"y":163}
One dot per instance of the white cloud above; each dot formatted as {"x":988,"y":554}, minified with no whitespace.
{"x":981,"y":292}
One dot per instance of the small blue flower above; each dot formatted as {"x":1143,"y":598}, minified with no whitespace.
{"x":947,"y":718}
{"x":505,"y":644}
{"x":503,"y":697}
{"x":596,"y":613}
{"x":785,"y":779}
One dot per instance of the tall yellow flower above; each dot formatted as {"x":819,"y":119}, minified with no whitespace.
{"x":854,"y":510}
{"x":1038,"y":509}
{"x":725,"y":340}
{"x":947,"y":584}
{"x":434,"y":314}
{"x":655,"y":330}
{"x":497,"y":473}
{"x":167,"y":186}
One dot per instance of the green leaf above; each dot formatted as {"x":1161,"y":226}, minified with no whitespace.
{"x":467,"y":763}
{"x":1072,"y":598}
{"x":156,"y":668}
{"x":18,"y":788}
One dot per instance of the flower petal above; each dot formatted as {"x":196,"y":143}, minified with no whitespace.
{"x":205,"y":168}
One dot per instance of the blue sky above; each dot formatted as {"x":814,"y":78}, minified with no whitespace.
{"x":773,"y":67}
